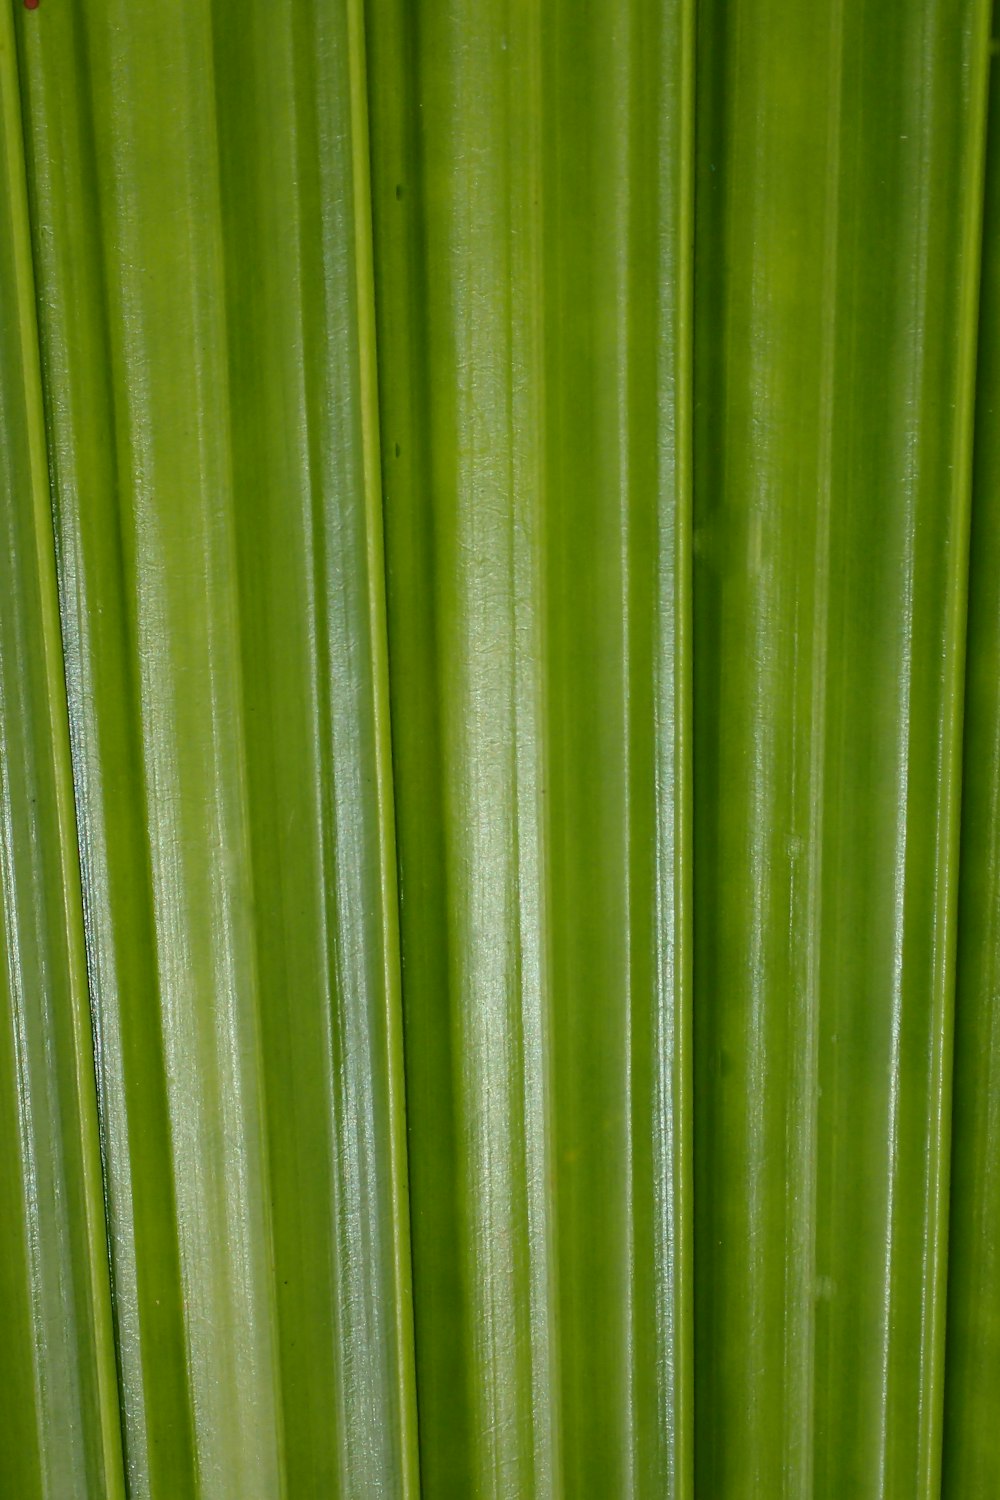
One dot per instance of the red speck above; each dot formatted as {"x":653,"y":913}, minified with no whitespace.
{"x":31,"y":4}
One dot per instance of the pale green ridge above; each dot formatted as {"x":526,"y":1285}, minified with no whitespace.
{"x":59,"y":1430}
{"x":200,"y":223}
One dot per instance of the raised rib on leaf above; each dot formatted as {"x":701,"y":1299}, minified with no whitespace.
{"x":59,"y":1426}
{"x":836,"y":271}
{"x":201,"y":219}
{"x":531,"y":170}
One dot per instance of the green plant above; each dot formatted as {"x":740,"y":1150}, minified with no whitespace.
{"x":478,"y":1005}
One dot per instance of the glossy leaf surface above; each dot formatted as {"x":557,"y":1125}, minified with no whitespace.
{"x":651,"y":328}
{"x":840,"y":150}
{"x":201,"y":216}
{"x":532,"y":220}
{"x":59,"y":1435}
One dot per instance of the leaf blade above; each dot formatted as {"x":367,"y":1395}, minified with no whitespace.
{"x":971,"y":1447}
{"x":61,"y":1426}
{"x":221,"y":569}
{"x":517,"y":977}
{"x":837,"y":273}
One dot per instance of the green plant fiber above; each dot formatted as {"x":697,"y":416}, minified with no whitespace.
{"x":499,"y":750}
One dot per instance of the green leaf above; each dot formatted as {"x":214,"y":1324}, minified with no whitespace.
{"x":670,"y":408}
{"x":839,"y":168}
{"x":532,"y":215}
{"x":972,"y":1387}
{"x":202,"y":221}
{"x":59,"y":1432}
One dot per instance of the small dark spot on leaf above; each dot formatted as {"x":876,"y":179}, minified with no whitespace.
{"x":399,"y":185}
{"x":396,"y":449}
